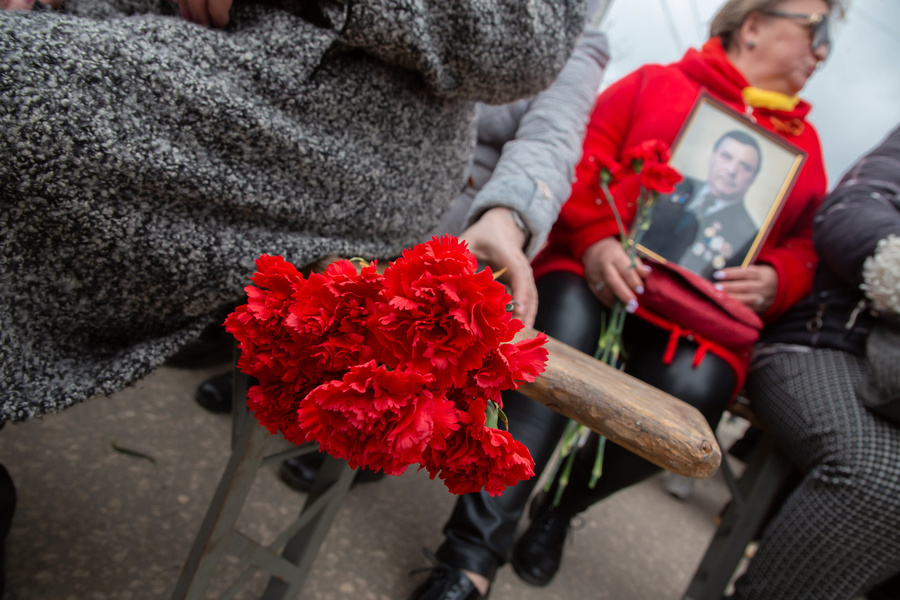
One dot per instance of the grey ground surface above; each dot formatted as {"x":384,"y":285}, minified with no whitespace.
{"x":94,"y":523}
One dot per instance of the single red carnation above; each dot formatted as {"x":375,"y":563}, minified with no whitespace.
{"x":440,"y":316}
{"x":275,"y":405}
{"x":659,"y":177}
{"x":267,"y":348}
{"x":375,"y":417}
{"x":648,"y":151}
{"x":505,"y":368}
{"x":329,"y":316}
{"x":276,"y":280}
{"x":477,"y":457}
{"x":608,"y":170}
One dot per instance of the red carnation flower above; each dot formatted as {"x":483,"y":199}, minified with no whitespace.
{"x":608,"y":170}
{"x":275,"y":404}
{"x":276,"y":280}
{"x":330,"y":316}
{"x":477,"y":457}
{"x":440,"y":316}
{"x":505,"y":367}
{"x":375,"y":417}
{"x":648,"y":151}
{"x":659,"y":177}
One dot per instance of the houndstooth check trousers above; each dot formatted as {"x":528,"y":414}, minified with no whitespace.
{"x":838,"y":533}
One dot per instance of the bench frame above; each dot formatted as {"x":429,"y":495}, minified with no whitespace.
{"x":752,"y":497}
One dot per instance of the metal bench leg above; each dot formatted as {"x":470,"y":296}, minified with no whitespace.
{"x":210,"y":545}
{"x":218,"y":535}
{"x":766,"y":472}
{"x":331,"y":487}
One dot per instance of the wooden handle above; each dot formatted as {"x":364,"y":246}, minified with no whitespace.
{"x":627,"y":411}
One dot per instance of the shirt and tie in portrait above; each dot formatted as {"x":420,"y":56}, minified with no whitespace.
{"x":704,"y":225}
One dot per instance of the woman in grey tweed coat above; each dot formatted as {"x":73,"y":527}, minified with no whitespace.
{"x":146,"y":161}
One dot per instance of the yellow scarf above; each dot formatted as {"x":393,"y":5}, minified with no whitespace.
{"x":758,"y":98}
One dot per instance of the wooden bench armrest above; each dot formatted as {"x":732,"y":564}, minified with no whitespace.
{"x":627,"y":411}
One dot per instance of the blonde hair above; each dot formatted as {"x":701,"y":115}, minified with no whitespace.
{"x":733,"y":13}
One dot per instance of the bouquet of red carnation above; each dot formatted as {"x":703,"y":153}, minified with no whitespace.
{"x":388,"y":370}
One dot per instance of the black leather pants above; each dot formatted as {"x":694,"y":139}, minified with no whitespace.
{"x":707,"y":387}
{"x":480,"y":531}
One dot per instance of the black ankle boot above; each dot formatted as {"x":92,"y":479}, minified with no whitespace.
{"x":214,"y":394}
{"x":447,"y":583}
{"x":538,"y":553}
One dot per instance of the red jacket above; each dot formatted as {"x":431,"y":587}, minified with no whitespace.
{"x":653,"y":102}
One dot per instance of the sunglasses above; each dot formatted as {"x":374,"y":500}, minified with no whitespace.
{"x":817,"y":24}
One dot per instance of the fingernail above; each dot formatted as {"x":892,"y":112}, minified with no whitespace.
{"x":631,"y":306}
{"x":719,"y":275}
{"x":639,"y":289}
{"x":719,"y":287}
{"x":646,"y":268}
{"x":186,"y":14}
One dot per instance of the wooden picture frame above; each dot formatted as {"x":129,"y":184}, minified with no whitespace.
{"x":736,"y":178}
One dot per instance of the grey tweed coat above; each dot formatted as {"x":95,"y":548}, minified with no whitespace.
{"x":145,"y":161}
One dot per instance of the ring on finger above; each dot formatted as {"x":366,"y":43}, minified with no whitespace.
{"x":599,"y":286}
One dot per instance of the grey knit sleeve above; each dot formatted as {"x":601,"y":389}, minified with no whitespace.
{"x":492,"y":51}
{"x":534,"y":174}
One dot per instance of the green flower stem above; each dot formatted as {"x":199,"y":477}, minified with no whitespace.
{"x":564,"y":478}
{"x":609,"y":349}
{"x":491,"y":415}
{"x":569,"y":438}
{"x":622,"y":234}
{"x":610,"y":344}
{"x":641,"y":222}
{"x":597,"y":471}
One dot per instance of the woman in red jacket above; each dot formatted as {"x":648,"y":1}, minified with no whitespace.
{"x":758,"y":58}
{"x":760,"y":55}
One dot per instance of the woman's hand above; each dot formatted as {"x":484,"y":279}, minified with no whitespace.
{"x":754,"y":286}
{"x":206,"y":12}
{"x":610,"y":274}
{"x":16,"y":4}
{"x":495,"y":239}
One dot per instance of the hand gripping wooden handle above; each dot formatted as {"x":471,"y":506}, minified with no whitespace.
{"x":629,"y":412}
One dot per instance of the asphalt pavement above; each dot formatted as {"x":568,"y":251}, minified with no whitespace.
{"x":111,"y":493}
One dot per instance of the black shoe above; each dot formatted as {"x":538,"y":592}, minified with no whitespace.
{"x":447,"y":583}
{"x":300,"y":472}
{"x":214,"y":394}
{"x":538,"y":553}
{"x":213,"y":346}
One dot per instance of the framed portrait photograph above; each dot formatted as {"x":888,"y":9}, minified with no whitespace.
{"x":736,"y":177}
